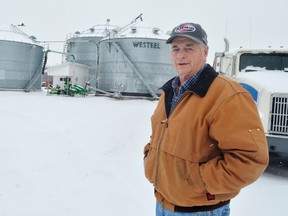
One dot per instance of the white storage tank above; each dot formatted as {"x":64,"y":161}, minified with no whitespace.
{"x":84,"y":47}
{"x":135,"y":61}
{"x":21,"y":59}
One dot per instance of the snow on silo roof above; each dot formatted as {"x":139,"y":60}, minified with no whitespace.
{"x":12,"y":33}
{"x":101,"y":30}
{"x":140,"y":29}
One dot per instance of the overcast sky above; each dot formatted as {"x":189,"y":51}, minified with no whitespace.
{"x":254,"y":23}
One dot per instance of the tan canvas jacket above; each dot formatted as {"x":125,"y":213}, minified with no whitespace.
{"x":210,"y":146}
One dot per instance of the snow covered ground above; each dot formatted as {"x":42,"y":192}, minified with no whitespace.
{"x":82,"y":156}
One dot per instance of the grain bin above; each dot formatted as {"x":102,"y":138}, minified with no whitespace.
{"x":135,"y":61}
{"x":84,"y":47}
{"x":20,"y":60}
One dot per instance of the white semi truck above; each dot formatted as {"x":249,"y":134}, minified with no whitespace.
{"x":264,"y":73}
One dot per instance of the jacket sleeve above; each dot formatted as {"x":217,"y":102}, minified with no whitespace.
{"x":238,"y":130}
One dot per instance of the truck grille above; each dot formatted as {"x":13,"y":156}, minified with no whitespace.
{"x":279,"y":114}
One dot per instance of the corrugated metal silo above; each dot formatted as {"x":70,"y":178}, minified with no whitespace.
{"x":21,"y":60}
{"x":135,"y":61}
{"x":84,"y":47}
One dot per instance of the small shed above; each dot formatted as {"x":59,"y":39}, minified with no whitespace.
{"x":78,"y":73}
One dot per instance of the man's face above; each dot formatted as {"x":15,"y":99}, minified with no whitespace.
{"x":188,"y":57}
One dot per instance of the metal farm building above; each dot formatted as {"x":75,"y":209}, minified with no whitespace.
{"x":21,"y":60}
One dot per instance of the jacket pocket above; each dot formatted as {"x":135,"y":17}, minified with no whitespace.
{"x":149,"y":162}
{"x":146,"y":150}
{"x":180,"y":181}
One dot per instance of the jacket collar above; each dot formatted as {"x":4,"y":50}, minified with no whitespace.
{"x":202,"y":84}
{"x":200,"y":88}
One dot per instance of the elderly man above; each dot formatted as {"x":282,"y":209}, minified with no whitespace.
{"x":207,"y":139}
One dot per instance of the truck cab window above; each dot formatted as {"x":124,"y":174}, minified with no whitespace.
{"x":250,"y":62}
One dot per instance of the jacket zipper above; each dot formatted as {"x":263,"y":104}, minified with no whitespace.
{"x":165,"y":122}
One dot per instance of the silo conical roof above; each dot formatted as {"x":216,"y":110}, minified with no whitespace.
{"x":12,"y":33}
{"x":140,"y":29}
{"x":96,"y":31}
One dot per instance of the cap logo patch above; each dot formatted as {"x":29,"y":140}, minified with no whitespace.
{"x":185,"y":28}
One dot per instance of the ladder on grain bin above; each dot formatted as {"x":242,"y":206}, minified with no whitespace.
{"x":138,"y":70}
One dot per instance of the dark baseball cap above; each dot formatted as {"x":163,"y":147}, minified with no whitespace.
{"x":193,"y":31}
